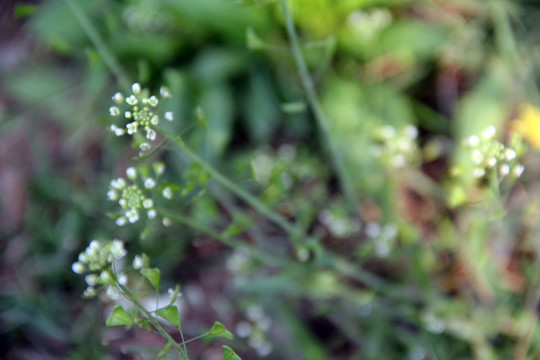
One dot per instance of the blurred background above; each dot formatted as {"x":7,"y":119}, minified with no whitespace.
{"x":461,"y":275}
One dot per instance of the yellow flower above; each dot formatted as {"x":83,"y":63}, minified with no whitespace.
{"x":527,"y":124}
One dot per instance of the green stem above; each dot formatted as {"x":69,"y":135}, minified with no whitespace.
{"x":322,"y":121}
{"x":254,"y":252}
{"x":127,"y":293}
{"x":293,"y":231}
{"x":98,"y":42}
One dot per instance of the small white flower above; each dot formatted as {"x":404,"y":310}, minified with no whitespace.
{"x":122,"y":202}
{"x":118,"y":98}
{"x":121,"y":221}
{"x":132,"y":128}
{"x":169,"y":116}
{"x":152,"y":213}
{"x":510,"y":154}
{"x":131,"y":173}
{"x":113,"y":127}
{"x":159,"y":168}
{"x":112,"y":293}
{"x":478,"y":173}
{"x":166,"y":222}
{"x":504,"y":170}
{"x":153,"y":101}
{"x":167,"y":193}
{"x":489,"y":132}
{"x":148,"y":203}
{"x":411,"y":131}
{"x":118,"y":184}
{"x":112,"y":195}
{"x":164,"y":91}
{"x":91,"y":279}
{"x":128,"y":114}
{"x":477,"y":157}
{"x":138,"y":262}
{"x":518,"y":170}
{"x":149,"y":183}
{"x":388,"y":132}
{"x":94,"y":245}
{"x":473,"y":140}
{"x":132,"y":100}
{"x":154,"y":120}
{"x":492,"y":162}
{"x":119,"y":132}
{"x":117,"y":249}
{"x":83,"y":258}
{"x":144,"y":146}
{"x":122,"y":279}
{"x":77,"y":268}
{"x":89,"y":292}
{"x":132,"y":215}
{"x":105,"y":277}
{"x":373,"y":230}
{"x":243,"y":329}
{"x":136,"y":88}
{"x":150,"y":134}
{"x":114,"y":111}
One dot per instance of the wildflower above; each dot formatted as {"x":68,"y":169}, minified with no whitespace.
{"x":132,"y":100}
{"x":122,"y":279}
{"x":151,"y":213}
{"x":114,"y":111}
{"x":518,"y":170}
{"x":153,"y":101}
{"x":91,"y":279}
{"x":144,"y":146}
{"x":164,"y":91}
{"x":89,"y":292}
{"x":118,"y":98}
{"x":136,"y":88}
{"x":77,"y":268}
{"x":138,"y":262}
{"x":167,"y":193}
{"x":132,"y":215}
{"x":112,"y":195}
{"x":150,"y":134}
{"x":121,"y":221}
{"x":148,"y":203}
{"x":149,"y":183}
{"x":166,"y":222}
{"x":131,"y":173}
{"x":132,"y":128}
{"x":119,"y":132}
{"x":169,"y":116}
{"x":117,"y":249}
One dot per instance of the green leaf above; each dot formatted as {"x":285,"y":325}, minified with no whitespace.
{"x":229,"y":354}
{"x":24,"y":10}
{"x":153,"y":275}
{"x":219,"y":330}
{"x":119,"y":317}
{"x":170,"y":313}
{"x":253,"y":41}
{"x":166,"y":349}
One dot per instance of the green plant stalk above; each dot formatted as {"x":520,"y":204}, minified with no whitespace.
{"x":327,"y":258}
{"x":347,"y":187}
{"x":294,"y":231}
{"x":259,"y":255}
{"x":98,"y":42}
{"x":127,"y":293}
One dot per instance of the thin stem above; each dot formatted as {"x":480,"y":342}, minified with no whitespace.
{"x":294,"y":231}
{"x":98,"y":42}
{"x":127,"y":293}
{"x":307,"y":83}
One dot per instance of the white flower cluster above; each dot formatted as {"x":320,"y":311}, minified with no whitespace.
{"x":383,"y":237}
{"x":135,"y":198}
{"x":487,"y":153}
{"x":97,"y":261}
{"x":338,"y":222}
{"x":367,"y":24}
{"x":141,"y":113}
{"x":397,"y":148}
{"x":255,"y":330}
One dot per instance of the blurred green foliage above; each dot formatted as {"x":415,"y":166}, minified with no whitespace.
{"x":458,"y":279}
